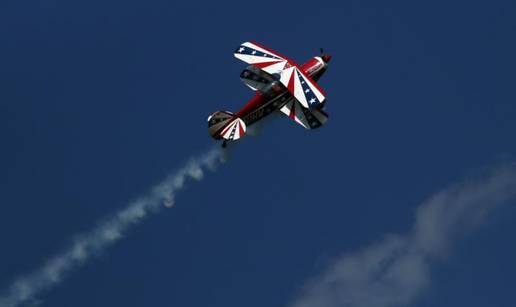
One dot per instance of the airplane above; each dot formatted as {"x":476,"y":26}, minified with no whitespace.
{"x":280,"y":84}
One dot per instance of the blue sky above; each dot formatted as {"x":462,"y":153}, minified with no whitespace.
{"x":100,"y":100}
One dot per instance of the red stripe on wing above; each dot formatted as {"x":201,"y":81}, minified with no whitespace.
{"x":263,"y":65}
{"x":292,"y":114}
{"x":291,"y":87}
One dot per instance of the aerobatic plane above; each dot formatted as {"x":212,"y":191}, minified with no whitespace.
{"x":280,"y":84}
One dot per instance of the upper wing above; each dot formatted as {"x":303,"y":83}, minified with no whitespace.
{"x":301,"y":86}
{"x":261,"y":57}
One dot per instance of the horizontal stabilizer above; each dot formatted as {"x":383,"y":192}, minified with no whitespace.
{"x":224,"y":125}
{"x":234,"y":130}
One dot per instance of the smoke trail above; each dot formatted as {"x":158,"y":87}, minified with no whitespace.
{"x":396,"y":270}
{"x":26,"y":288}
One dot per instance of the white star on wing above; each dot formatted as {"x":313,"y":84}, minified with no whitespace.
{"x":241,"y":49}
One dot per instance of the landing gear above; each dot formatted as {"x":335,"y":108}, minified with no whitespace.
{"x":224,"y":144}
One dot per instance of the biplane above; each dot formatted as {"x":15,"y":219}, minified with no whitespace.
{"x":281,"y":85}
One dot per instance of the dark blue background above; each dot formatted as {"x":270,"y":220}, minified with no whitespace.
{"x":99,"y":100}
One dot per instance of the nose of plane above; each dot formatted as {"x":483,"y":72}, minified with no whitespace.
{"x":326,"y":58}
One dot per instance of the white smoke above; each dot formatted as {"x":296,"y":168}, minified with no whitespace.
{"x":25,"y":289}
{"x":396,"y":270}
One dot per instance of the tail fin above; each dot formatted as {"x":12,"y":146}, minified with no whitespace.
{"x":225,"y":125}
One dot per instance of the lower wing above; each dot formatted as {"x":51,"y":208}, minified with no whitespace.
{"x":309,"y":119}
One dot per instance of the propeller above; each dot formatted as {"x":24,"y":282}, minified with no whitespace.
{"x":325,"y":57}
